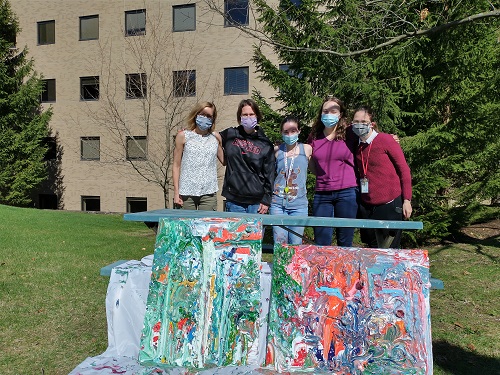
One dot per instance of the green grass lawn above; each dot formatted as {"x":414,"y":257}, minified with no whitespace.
{"x":52,"y":296}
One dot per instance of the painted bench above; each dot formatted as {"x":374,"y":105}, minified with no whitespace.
{"x":153,"y":216}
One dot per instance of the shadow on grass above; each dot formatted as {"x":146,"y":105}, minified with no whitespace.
{"x":459,"y":361}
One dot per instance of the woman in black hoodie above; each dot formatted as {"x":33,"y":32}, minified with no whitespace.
{"x":250,"y":163}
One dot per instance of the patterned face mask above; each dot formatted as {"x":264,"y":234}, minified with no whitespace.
{"x":204,"y":123}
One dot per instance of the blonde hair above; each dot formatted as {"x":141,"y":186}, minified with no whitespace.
{"x":191,"y":119}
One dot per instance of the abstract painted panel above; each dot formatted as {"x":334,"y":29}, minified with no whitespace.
{"x":350,"y":311}
{"x":204,"y":296}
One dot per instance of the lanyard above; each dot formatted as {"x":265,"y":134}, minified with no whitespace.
{"x":363,"y":164}
{"x":288,"y":171}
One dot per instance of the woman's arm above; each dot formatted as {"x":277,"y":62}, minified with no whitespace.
{"x":220,"y":150}
{"x":180,"y":139}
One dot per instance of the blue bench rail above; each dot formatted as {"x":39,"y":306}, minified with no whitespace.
{"x":306,"y":221}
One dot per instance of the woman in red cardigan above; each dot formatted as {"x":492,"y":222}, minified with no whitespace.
{"x":385,"y":179}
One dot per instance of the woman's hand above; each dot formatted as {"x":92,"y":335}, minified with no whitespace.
{"x":263,"y":209}
{"x":178,"y":200}
{"x":407,"y":210}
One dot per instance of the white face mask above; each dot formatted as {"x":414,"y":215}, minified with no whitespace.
{"x":361,"y":129}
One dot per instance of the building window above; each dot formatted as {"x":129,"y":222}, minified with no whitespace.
{"x":47,"y":202}
{"x":184,"y":17}
{"x":236,"y":12}
{"x":48,"y":90}
{"x":184,"y":83}
{"x":291,"y":72}
{"x":51,"y":144}
{"x":91,"y":203}
{"x":90,"y":148}
{"x":135,"y":204}
{"x":89,"y":88}
{"x":136,"y":86}
{"x":236,"y":81}
{"x":135,"y":22}
{"x":46,"y":32}
{"x":89,"y":28}
{"x":137,"y":148}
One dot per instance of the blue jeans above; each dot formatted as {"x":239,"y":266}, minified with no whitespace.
{"x":242,"y":207}
{"x":281,"y":235}
{"x":337,"y":203}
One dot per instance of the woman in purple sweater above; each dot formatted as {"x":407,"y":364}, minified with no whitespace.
{"x":332,"y":162}
{"x":385,"y":179}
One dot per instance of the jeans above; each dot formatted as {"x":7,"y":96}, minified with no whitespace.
{"x":337,"y":203}
{"x":281,"y":235}
{"x":242,"y":207}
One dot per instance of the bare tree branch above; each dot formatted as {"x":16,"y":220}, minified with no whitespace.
{"x":263,"y":38}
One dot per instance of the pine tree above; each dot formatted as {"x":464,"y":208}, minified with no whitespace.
{"x":438,"y":91}
{"x":23,"y":125}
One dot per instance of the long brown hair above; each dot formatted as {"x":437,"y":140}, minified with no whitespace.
{"x":318,"y":126}
{"x":191,"y":119}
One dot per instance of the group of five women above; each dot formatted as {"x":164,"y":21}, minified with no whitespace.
{"x":360,"y":172}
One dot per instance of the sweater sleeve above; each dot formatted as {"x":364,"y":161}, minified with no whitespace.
{"x":269,"y":173}
{"x":402,"y":169}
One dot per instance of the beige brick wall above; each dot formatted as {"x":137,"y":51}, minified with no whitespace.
{"x":208,"y":50}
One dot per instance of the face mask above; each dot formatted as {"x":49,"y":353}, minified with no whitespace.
{"x":329,"y":120}
{"x":290,"y":139}
{"x":361,"y":129}
{"x":249,"y":122}
{"x":204,"y":123}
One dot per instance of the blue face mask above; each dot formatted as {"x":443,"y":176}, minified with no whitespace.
{"x":204,"y":123}
{"x":290,"y":139}
{"x":329,"y":120}
{"x":361,"y":129}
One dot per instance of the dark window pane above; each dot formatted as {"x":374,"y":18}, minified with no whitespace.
{"x":89,"y":28}
{"x":90,"y":148}
{"x":48,"y":90}
{"x":89,"y":88}
{"x":135,"y":204}
{"x":135,"y":22}
{"x":236,"y":12}
{"x":184,"y":17}
{"x":184,"y":83}
{"x":46,"y":32}
{"x":137,"y":148}
{"x":236,"y":81}
{"x":136,"y":86}
{"x":91,"y":203}
{"x":47,"y":202}
{"x":51,"y":144}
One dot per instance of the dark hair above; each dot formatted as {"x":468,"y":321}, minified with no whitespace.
{"x":369,"y":111}
{"x":318,"y":126}
{"x":290,"y":118}
{"x":252,"y":104}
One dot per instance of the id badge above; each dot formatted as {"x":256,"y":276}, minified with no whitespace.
{"x":364,"y":185}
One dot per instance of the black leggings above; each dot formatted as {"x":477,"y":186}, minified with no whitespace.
{"x":389,"y":211}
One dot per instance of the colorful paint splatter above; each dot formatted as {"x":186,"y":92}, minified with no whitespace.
{"x":350,"y":311}
{"x":204,"y":295}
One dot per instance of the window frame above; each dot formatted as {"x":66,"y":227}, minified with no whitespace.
{"x":135,"y":140}
{"x":134,"y":78}
{"x":48,"y":40}
{"x":49,"y":92}
{"x":85,"y":18}
{"x":85,"y":198}
{"x":136,"y":31}
{"x":246,"y":84}
{"x":85,"y":141}
{"x":176,"y":8}
{"x":228,"y":19}
{"x":184,"y":83}
{"x":130,"y":200}
{"x":84,"y":85}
